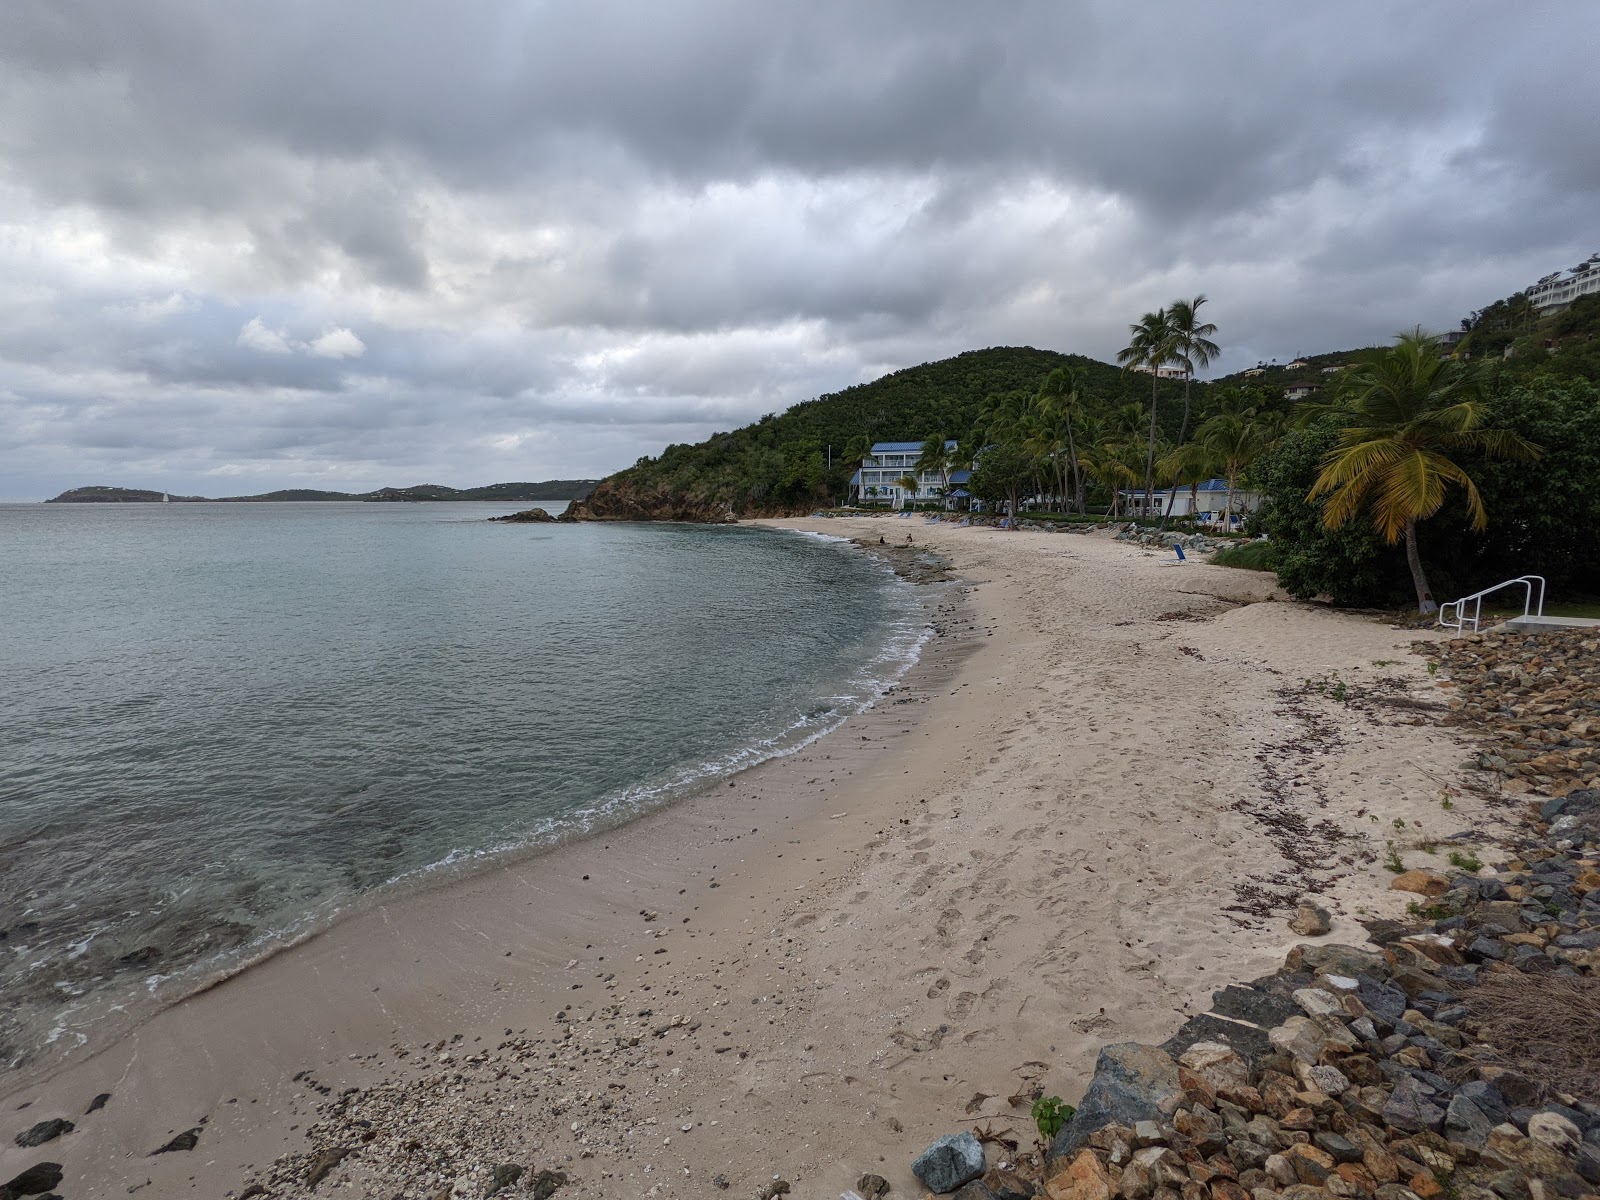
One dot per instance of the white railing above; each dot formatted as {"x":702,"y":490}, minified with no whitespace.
{"x":1453,"y":613}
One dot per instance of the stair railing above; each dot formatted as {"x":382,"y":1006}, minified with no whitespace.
{"x":1453,"y":613}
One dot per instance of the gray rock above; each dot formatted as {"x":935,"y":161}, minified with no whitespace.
{"x":44,"y":1131}
{"x":1483,"y":947}
{"x":187,"y":1140}
{"x":505,"y":1175}
{"x":1311,"y":919}
{"x":97,"y":1103}
{"x":1466,"y":1123}
{"x":1486,"y":1098}
{"x":1248,"y":1041}
{"x":1131,"y":1083}
{"x":1589,"y":1162}
{"x":1254,"y":1005}
{"x":1384,"y":999}
{"x":1409,"y":1108}
{"x":40,"y":1177}
{"x":1342,"y":1149}
{"x":949,"y":1162}
{"x":976,"y":1190}
{"x":872,"y":1186}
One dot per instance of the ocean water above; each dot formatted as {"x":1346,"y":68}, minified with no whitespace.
{"x":220,"y":724}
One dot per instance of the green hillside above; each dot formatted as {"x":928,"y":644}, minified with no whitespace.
{"x":781,"y":461}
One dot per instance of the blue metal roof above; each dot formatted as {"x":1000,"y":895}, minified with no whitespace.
{"x":961,"y":476}
{"x":960,"y":493}
{"x":1214,"y":485}
{"x":904,"y":447}
{"x":856,"y":478}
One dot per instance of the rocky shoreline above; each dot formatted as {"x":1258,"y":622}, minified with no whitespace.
{"x":1460,"y":1059}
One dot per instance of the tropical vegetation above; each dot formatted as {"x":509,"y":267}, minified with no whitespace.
{"x":1385,"y":471}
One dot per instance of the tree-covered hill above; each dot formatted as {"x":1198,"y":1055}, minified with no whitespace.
{"x":781,"y":462}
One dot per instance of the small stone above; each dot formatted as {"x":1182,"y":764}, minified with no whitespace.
{"x":326,"y":1160}
{"x":1342,"y":1149}
{"x":872,"y":1186}
{"x":44,"y":1131}
{"x":1223,"y":1067}
{"x":1300,"y":1038}
{"x":1001,"y":1184}
{"x":1084,"y":1178}
{"x":1410,"y":1109}
{"x":187,"y":1140}
{"x":1423,"y":883}
{"x":949,"y":1162}
{"x":97,"y":1103}
{"x":1466,"y":1123}
{"x":1280,"y":1170}
{"x":1311,"y":919}
{"x":1311,"y":1165}
{"x":1554,"y":1130}
{"x":41,"y":1177}
{"x":1318,"y":1003}
{"x":505,"y":1175}
{"x":545,"y":1184}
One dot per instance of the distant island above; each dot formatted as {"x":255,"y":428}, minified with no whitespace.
{"x":550,"y":489}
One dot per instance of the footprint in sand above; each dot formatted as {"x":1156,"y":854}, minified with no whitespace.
{"x":949,"y":923}
{"x":962,"y":1005}
{"x":938,"y":989}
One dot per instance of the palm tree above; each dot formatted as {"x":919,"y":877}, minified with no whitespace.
{"x":1232,"y":441}
{"x":912,"y":486}
{"x":1060,"y":406}
{"x":1151,"y":346}
{"x":1405,"y":413}
{"x":935,"y":459}
{"x":1193,"y":347}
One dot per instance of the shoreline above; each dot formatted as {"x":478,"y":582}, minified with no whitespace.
{"x":883,"y":920}
{"x":123,"y":1015}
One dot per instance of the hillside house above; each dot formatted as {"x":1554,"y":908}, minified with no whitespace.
{"x":878,"y":480}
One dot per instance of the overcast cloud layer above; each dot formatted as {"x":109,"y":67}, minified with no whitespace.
{"x":256,"y":245}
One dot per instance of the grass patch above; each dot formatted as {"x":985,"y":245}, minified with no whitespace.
{"x":1546,"y":1026}
{"x":1393,"y":862}
{"x":1430,"y":912}
{"x":1467,"y":861}
{"x":1252,"y":556}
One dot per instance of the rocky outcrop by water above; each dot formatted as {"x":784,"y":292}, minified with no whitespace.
{"x":536,"y":516}
{"x":622,"y":500}
{"x":1457,"y":1060}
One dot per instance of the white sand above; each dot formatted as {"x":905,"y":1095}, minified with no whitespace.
{"x":971,"y":889}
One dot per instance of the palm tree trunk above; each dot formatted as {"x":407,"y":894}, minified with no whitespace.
{"x":1425,"y":604}
{"x":1183,"y":431}
{"x":1150,"y":454}
{"x":1227,"y":513}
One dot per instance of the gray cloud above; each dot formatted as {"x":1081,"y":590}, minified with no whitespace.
{"x":294,"y":243}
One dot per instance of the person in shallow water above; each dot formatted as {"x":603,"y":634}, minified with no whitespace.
{"x":908,"y":539}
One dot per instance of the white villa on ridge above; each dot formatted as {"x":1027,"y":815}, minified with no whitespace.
{"x":1558,"y":291}
{"x":878,"y":479}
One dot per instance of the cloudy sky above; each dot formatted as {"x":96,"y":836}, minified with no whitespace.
{"x":344,"y":243}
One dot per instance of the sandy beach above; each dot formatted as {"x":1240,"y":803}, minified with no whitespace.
{"x":1094,"y":801}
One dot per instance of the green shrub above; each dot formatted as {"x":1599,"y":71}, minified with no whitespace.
{"x":1467,"y":861}
{"x":1252,"y":556}
{"x":1050,"y":1114}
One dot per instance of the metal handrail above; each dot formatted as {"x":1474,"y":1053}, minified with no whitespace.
{"x":1459,"y":619}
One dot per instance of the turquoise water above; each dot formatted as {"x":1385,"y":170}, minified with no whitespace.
{"x":221,"y":723}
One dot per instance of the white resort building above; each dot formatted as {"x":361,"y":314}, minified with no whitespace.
{"x":1207,"y":503}
{"x":878,"y":481}
{"x":1559,"y":290}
